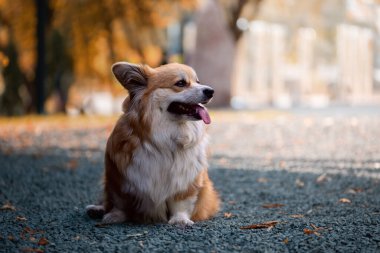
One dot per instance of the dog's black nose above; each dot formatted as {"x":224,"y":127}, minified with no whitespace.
{"x":208,"y":92}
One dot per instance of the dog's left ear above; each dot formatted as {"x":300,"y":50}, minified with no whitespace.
{"x":133,"y":77}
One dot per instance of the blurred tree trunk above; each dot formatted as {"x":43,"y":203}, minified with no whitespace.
{"x":216,"y":42}
{"x":10,"y":101}
{"x":41,"y":7}
{"x":236,"y":13}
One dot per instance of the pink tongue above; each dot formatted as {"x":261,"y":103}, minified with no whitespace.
{"x":204,"y":115}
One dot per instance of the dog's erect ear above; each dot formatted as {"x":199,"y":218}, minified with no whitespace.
{"x":132,"y":76}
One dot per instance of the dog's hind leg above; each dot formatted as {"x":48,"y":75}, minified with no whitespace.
{"x":95,"y":211}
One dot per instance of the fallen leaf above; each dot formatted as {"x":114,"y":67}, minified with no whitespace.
{"x":344,"y":200}
{"x":299,"y":183}
{"x":32,"y":250}
{"x":274,"y":205}
{"x":322,"y":178}
{"x":43,"y":241}
{"x":11,"y":238}
{"x":354,"y":190}
{"x":267,"y":224}
{"x":8,"y":206}
{"x":27,"y":233}
{"x":262,"y":180}
{"x":308,"y":231}
{"x":135,"y":235}
{"x":297,"y":216}
{"x":312,"y":231}
{"x":232,"y":202}
{"x":72,"y":164}
{"x":286,"y":240}
{"x":101,"y":225}
{"x":21,"y":218}
{"x":227,"y":215}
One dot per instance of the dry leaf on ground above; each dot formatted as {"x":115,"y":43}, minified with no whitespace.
{"x":21,"y":218}
{"x":267,"y":224}
{"x":297,"y":216}
{"x":313,"y":231}
{"x":344,"y":200}
{"x":43,"y":241}
{"x":11,"y":238}
{"x":262,"y":180}
{"x":308,"y":231}
{"x":299,"y":183}
{"x":27,"y":233}
{"x":8,"y":206}
{"x":101,"y":225}
{"x":227,"y":215}
{"x":354,"y":190}
{"x":72,"y":164}
{"x":322,"y":178}
{"x":273,"y":205}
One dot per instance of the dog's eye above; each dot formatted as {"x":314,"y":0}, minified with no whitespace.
{"x":181,"y":83}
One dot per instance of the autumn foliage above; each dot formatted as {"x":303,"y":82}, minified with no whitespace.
{"x":83,"y":39}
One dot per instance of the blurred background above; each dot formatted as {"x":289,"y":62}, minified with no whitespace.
{"x":55,"y":55}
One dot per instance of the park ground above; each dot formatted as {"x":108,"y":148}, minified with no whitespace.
{"x":291,"y":181}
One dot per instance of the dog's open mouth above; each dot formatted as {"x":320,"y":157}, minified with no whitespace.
{"x":196,"y":111}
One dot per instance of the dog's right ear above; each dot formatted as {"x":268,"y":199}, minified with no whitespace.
{"x":133,"y":77}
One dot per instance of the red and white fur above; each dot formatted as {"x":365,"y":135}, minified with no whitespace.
{"x":155,"y":160}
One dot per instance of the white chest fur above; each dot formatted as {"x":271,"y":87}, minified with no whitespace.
{"x":169,"y":163}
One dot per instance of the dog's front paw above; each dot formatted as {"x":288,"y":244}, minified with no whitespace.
{"x":115,"y":216}
{"x":181,"y":219}
{"x":95,"y":211}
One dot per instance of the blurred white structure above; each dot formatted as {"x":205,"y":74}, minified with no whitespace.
{"x":266,"y":74}
{"x":355,"y":58}
{"x":259,"y":72}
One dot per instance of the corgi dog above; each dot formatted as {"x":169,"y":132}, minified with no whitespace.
{"x":155,"y":159}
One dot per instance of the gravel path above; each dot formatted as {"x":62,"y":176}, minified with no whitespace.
{"x":313,"y":175}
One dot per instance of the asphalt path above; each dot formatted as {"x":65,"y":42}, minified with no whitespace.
{"x":296,"y":181}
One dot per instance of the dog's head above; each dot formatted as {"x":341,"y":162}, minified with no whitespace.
{"x":173,"y":88}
